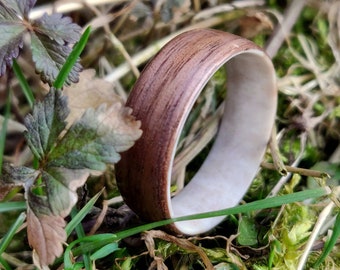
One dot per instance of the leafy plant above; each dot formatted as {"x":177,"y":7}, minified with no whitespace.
{"x":50,"y":36}
{"x":67,"y":156}
{"x":69,"y":140}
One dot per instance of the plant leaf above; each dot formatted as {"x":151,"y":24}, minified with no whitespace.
{"x":11,"y":42}
{"x":21,"y":7}
{"x":58,"y":28}
{"x":46,"y":123}
{"x":96,"y":138}
{"x":49,"y":58}
{"x":247,"y":233}
{"x":12,"y":177}
{"x":51,"y":36}
{"x":46,"y":213}
{"x":99,"y":126}
{"x":89,"y":92}
{"x":60,"y":195}
{"x":18,"y":175}
{"x":8,"y":11}
{"x":67,"y":156}
{"x":12,"y":29}
{"x":45,"y":234}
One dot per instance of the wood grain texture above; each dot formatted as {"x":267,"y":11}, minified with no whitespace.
{"x":162,"y":99}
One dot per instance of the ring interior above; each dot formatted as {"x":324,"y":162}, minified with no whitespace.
{"x":234,"y":159}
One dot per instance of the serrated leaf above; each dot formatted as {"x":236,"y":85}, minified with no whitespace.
{"x":59,"y":185}
{"x":58,"y":28}
{"x":95,"y":136}
{"x":12,"y":29}
{"x":46,"y":213}
{"x":18,"y":175}
{"x":51,"y":36}
{"x":11,"y":42}
{"x":12,"y":177}
{"x":46,"y":123}
{"x":96,"y":139}
{"x":89,"y":92}
{"x":67,"y":157}
{"x":49,"y":57}
{"x":21,"y":7}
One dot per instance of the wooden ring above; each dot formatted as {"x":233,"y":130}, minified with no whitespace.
{"x":162,"y":99}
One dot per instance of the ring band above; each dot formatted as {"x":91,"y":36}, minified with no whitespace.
{"x":162,"y":99}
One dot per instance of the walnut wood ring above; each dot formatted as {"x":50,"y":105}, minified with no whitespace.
{"x":162,"y":99}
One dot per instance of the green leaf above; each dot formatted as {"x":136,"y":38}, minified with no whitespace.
{"x":12,"y":206}
{"x":88,"y":142}
{"x":4,"y":126}
{"x":95,"y":139}
{"x":46,"y":123}
{"x":49,"y":57}
{"x":60,"y":191}
{"x":8,"y":11}
{"x":100,"y":240}
{"x":247,"y":233}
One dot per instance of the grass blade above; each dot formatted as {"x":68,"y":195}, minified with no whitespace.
{"x":23,"y":83}
{"x":76,"y":220}
{"x":12,"y":206}
{"x":104,"y":251}
{"x":5,"y":264}
{"x":75,"y":223}
{"x":6,"y":240}
{"x":94,"y":242}
{"x":331,"y":243}
{"x":4,"y":128}
{"x":80,"y":234}
{"x":72,"y":59}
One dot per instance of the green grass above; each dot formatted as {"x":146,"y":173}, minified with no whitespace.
{"x":72,"y":59}
{"x":4,"y":127}
{"x":97,"y":243}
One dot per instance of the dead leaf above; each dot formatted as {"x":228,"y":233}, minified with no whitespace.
{"x":46,"y":235}
{"x":89,"y":92}
{"x":45,"y":214}
{"x":253,"y":23}
{"x":185,"y":244}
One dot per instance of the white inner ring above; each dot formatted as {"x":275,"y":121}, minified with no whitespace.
{"x":234,"y":159}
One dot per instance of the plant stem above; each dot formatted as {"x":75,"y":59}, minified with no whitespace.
{"x":301,"y":171}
